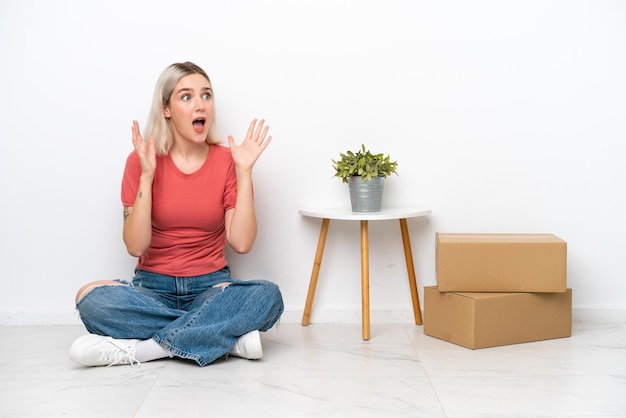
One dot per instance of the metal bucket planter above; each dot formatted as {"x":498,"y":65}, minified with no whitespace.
{"x":366,"y":195}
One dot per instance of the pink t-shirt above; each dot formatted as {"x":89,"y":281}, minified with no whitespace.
{"x":188,"y":234}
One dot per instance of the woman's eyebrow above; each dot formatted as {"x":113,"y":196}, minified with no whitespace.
{"x":186,"y":89}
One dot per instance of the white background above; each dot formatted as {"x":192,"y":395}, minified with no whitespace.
{"x":504,"y":116}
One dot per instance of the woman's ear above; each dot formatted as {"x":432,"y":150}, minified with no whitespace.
{"x":166,"y":112}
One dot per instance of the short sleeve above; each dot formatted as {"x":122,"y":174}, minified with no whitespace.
{"x":130,"y":179}
{"x":230,"y":189}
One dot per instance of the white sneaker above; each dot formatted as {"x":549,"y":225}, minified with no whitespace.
{"x":248,"y":346}
{"x":97,"y":350}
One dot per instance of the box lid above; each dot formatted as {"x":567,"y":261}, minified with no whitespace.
{"x":446,"y":237}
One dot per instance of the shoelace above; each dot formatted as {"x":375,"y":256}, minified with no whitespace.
{"x":121,"y":354}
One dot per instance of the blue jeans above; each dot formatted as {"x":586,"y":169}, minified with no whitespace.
{"x":187,"y":316}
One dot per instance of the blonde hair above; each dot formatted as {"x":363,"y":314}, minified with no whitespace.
{"x":158,"y":126}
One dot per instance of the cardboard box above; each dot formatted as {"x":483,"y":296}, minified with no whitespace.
{"x":480,"y":320}
{"x":500,"y":263}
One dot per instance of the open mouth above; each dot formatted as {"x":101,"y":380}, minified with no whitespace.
{"x":198,"y":124}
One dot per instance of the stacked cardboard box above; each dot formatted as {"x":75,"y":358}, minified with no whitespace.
{"x":498,"y":289}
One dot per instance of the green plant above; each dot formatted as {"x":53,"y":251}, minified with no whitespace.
{"x":363,"y":163}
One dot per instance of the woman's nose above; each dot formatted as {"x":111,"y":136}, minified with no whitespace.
{"x":199,"y":103}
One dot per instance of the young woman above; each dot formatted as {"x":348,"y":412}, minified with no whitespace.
{"x":184,"y":197}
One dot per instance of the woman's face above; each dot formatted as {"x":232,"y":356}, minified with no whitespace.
{"x":191,"y":109}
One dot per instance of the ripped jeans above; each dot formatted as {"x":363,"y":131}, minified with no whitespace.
{"x":192,"y":317}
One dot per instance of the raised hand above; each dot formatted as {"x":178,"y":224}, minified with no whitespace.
{"x":145,"y":151}
{"x":255,"y":142}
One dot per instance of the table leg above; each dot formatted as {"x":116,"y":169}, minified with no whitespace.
{"x":316,"y":271}
{"x":408,"y":255}
{"x":365,"y":281}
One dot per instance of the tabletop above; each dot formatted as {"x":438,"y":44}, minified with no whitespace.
{"x":345,"y":213}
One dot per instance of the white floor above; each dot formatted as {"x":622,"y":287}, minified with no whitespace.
{"x":325,"y":370}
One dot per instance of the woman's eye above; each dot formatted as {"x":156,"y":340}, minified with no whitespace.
{"x":206,"y":96}
{"x":185,"y":97}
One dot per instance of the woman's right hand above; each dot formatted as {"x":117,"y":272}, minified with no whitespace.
{"x":145,"y":151}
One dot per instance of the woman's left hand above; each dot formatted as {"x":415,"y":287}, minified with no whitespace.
{"x":255,"y":142}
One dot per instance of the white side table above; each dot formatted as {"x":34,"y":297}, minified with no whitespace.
{"x":346,"y":214}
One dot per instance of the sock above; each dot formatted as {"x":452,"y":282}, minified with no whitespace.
{"x":148,"y":350}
